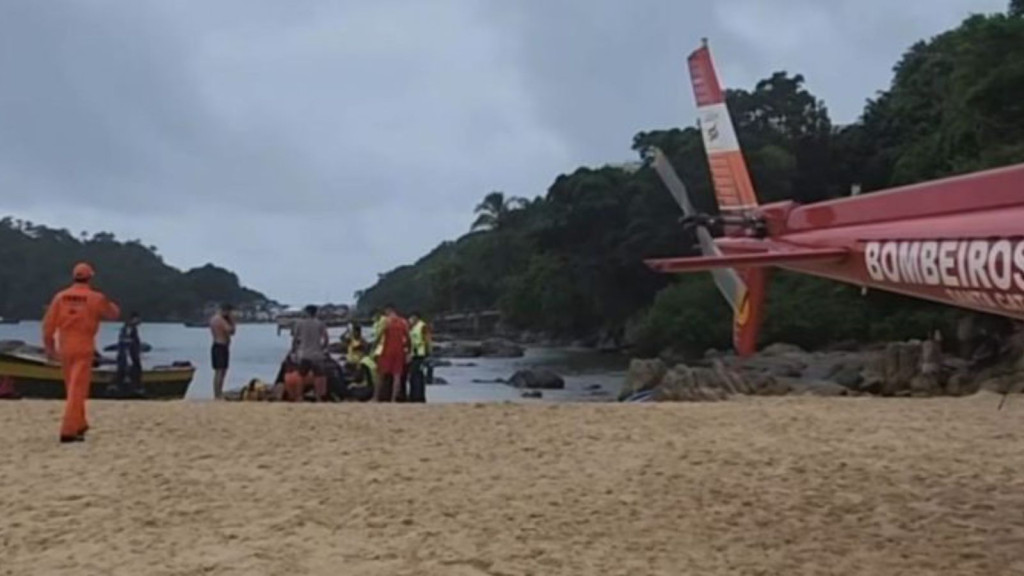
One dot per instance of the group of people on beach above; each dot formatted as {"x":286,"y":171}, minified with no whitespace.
{"x":391,"y":368}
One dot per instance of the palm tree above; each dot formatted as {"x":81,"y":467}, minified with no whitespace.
{"x":494,"y":210}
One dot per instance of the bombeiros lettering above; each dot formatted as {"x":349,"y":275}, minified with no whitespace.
{"x":996,"y":264}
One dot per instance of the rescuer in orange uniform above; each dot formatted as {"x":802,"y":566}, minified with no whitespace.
{"x":73,"y":318}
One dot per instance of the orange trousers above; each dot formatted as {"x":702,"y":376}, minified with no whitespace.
{"x":77,"y":370}
{"x":296,"y":387}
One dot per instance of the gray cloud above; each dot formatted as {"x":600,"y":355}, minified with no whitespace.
{"x":309,"y":144}
{"x":603,"y":69}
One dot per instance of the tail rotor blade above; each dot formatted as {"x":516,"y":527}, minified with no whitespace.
{"x":727,"y":280}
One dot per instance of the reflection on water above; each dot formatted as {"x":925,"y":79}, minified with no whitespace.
{"x":257,"y":351}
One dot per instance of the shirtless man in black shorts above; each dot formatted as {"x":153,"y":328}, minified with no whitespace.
{"x":222,"y":327}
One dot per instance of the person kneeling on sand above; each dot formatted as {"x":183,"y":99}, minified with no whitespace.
{"x":360,"y":378}
{"x":299,"y":378}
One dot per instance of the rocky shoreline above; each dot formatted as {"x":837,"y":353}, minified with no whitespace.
{"x":915,"y":368}
{"x":899,"y":369}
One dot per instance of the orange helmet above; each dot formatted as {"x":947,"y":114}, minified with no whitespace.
{"x":82,"y":272}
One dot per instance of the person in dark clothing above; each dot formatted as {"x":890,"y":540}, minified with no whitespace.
{"x":129,"y":349}
{"x":419,"y":343}
{"x":335,"y":377}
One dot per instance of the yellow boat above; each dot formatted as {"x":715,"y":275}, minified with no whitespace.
{"x":34,"y":376}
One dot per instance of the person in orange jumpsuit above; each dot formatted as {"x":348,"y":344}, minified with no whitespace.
{"x":69,"y":337}
{"x":299,"y":377}
{"x":391,"y":364}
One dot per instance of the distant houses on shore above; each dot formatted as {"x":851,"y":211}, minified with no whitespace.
{"x":331,"y":314}
{"x":249,"y":312}
{"x":272,"y":312}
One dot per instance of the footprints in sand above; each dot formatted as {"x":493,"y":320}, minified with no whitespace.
{"x":512,"y":490}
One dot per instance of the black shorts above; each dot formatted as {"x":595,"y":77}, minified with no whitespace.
{"x":220,"y":355}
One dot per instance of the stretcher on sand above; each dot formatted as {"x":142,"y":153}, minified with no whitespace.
{"x":34,"y":376}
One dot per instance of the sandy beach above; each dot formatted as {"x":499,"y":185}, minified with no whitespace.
{"x":754,"y":486}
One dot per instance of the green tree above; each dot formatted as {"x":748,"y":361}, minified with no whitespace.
{"x":493,"y":212}
{"x":952,"y":107}
{"x":35,"y":262}
{"x":570,"y":262}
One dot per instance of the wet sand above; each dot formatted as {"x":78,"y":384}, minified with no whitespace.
{"x":756,"y":486}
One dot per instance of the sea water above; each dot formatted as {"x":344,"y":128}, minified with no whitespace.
{"x":258,"y":349}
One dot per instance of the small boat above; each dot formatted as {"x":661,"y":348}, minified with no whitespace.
{"x":9,"y":320}
{"x":34,"y":376}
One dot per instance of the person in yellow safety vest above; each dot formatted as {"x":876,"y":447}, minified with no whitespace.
{"x":419,"y":338}
{"x":363,"y":388}
{"x":379,"y":322}
{"x":355,"y":348}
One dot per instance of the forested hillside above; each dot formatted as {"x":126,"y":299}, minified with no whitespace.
{"x":569,"y":263}
{"x":35,"y":261}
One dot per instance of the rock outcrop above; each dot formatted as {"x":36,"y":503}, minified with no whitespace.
{"x":643,"y":375}
{"x":914,"y":368}
{"x":684,"y":383}
{"x":537,"y":380}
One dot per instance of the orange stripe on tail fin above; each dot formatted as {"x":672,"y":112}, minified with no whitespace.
{"x":741,"y":278}
{"x":749,"y":312}
{"x":733,"y":188}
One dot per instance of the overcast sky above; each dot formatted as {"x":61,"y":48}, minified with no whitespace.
{"x":310,"y":144}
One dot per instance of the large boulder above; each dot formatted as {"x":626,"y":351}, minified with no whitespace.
{"x":917,"y":368}
{"x":643,"y":375}
{"x":782,"y":366}
{"x":731,"y":381}
{"x":928,"y":380}
{"x":849,"y":376}
{"x":537,"y":380}
{"x":914,"y":368}
{"x":701,"y":384}
{"x":768,"y":385}
{"x":686,"y":384}
{"x":894,"y":369}
{"x":926,"y":385}
{"x":961,"y":384}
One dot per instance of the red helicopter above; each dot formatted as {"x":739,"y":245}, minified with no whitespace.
{"x":957,"y":241}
